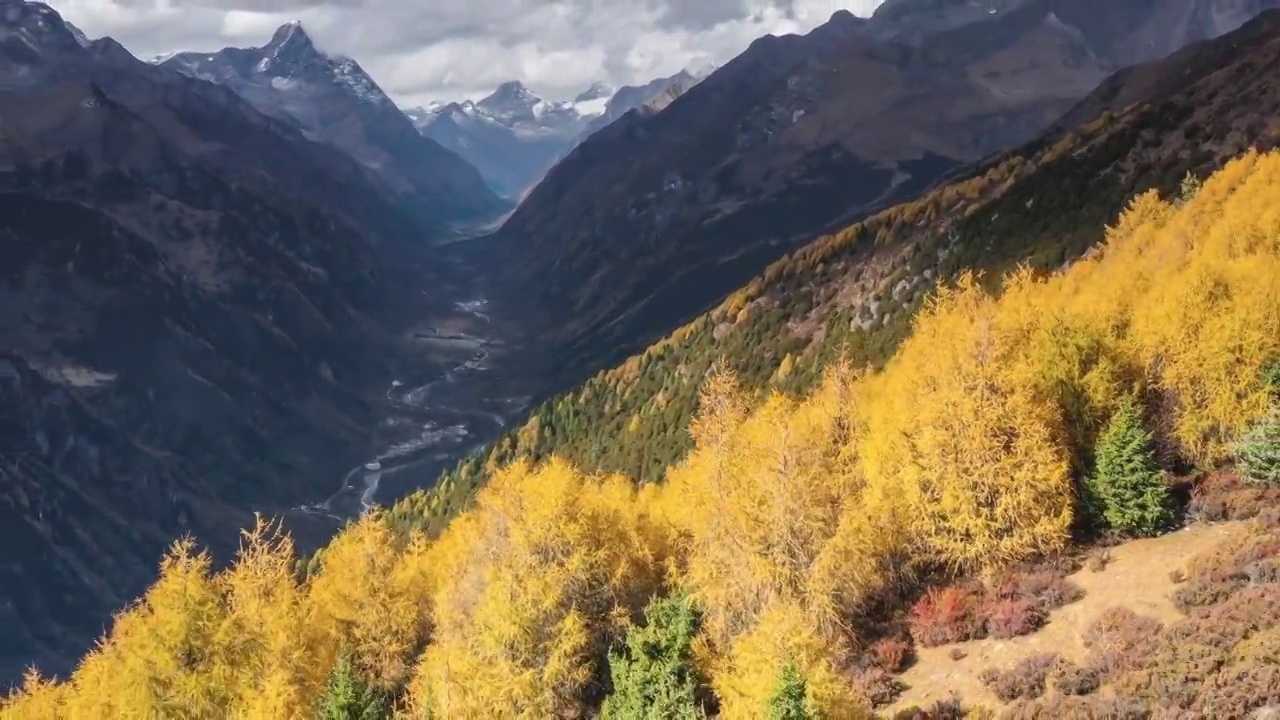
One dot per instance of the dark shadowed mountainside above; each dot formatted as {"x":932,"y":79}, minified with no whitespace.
{"x":336,"y":102}
{"x":854,"y":293}
{"x":660,"y":215}
{"x":192,"y":322}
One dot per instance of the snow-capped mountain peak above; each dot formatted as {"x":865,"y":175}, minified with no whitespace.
{"x":291,"y":57}
{"x":513,"y":136}
{"x":597,"y":91}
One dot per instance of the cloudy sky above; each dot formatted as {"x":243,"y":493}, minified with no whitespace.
{"x":421,"y":50}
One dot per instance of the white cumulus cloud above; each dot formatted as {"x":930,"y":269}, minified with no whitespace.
{"x":421,"y":50}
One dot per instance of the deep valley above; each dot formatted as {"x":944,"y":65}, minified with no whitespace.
{"x":739,"y":393}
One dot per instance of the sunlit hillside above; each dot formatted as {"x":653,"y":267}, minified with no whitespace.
{"x":755,"y":579}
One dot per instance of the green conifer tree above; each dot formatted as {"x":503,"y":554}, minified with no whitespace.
{"x":788,"y":701}
{"x":348,"y":697}
{"x":1259,"y":450}
{"x":1127,"y":490}
{"x":653,"y":673}
{"x":1189,"y":188}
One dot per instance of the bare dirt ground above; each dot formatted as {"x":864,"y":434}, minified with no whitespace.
{"x":1137,"y":578}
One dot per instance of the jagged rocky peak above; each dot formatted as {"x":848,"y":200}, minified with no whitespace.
{"x":34,"y":28}
{"x":511,"y":101}
{"x":597,"y":91}
{"x":290,"y":47}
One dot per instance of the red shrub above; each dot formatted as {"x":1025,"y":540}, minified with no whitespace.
{"x":891,"y":654}
{"x":946,"y":616}
{"x":1011,"y":618}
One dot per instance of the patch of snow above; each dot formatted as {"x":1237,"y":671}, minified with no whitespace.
{"x":348,"y":74}
{"x":592,"y":108}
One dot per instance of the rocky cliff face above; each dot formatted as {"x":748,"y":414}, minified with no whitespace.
{"x":190,"y":299}
{"x":336,"y":102}
{"x":655,"y":218}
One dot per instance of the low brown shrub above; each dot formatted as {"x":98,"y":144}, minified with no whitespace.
{"x":952,"y":709}
{"x":1239,"y":690}
{"x":1219,"y":574}
{"x":1099,"y":560}
{"x":947,"y":615}
{"x":1024,"y":680}
{"x":1119,"y":637}
{"x":891,"y":654}
{"x":957,"y":653}
{"x":1047,"y":587}
{"x":1204,"y":592}
{"x":1071,"y":679}
{"x":1012,"y":618}
{"x":879,"y":687}
{"x":1217,"y":657}
{"x":1224,"y":496}
{"x":1055,"y":707}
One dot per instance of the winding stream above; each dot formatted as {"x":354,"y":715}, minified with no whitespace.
{"x":429,"y":426}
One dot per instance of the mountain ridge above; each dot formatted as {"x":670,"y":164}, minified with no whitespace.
{"x":196,"y":320}
{"x":332,"y":98}
{"x":853,"y":293}
{"x":514,"y":136}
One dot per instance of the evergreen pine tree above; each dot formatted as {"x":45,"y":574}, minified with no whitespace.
{"x":1259,"y":450}
{"x":348,"y":697}
{"x":1189,"y":187}
{"x":788,"y":700}
{"x":653,"y":673}
{"x":1128,"y":490}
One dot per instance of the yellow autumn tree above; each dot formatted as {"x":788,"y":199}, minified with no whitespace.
{"x":778,"y":539}
{"x":367,"y":600}
{"x":973,"y":449}
{"x":745,"y":679}
{"x":785,"y":521}
{"x":1206,"y":332}
{"x":162,"y":658}
{"x":537,"y":580}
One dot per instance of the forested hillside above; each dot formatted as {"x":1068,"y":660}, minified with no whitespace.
{"x":855,"y":292}
{"x":765,"y":576}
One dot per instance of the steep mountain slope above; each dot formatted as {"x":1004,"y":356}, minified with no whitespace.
{"x":855,"y":292}
{"x":334,"y":100}
{"x":657,"y":217}
{"x":513,"y":136}
{"x":185,"y":322}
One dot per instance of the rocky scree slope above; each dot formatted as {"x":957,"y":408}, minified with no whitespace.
{"x":185,"y":323}
{"x":853,"y":293}
{"x":659,"y":216}
{"x":336,"y":102}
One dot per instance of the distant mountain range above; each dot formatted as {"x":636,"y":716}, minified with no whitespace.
{"x":335,"y":101}
{"x":513,"y":136}
{"x":659,"y":215}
